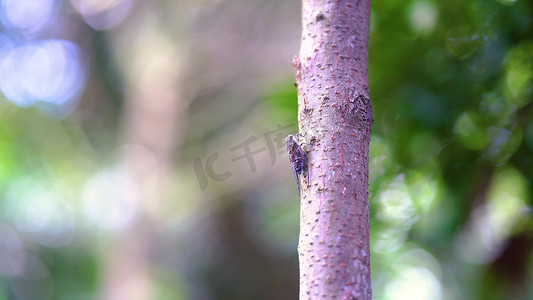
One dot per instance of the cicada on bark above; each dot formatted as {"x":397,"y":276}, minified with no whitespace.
{"x":297,"y":158}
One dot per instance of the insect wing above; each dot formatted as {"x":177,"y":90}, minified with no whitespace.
{"x":296,"y":178}
{"x":297,"y":159}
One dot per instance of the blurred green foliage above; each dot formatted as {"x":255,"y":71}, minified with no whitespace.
{"x":451,"y":87}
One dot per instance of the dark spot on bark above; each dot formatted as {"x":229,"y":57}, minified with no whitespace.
{"x":320,"y":17}
{"x":308,"y":111}
{"x":359,"y":107}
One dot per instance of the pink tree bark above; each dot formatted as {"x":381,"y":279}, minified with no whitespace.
{"x":335,"y":117}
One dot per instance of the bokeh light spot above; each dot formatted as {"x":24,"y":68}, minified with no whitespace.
{"x":48,"y":71}
{"x":423,"y":16}
{"x":396,"y":203}
{"x":506,"y":202}
{"x":503,"y":143}
{"x":471,"y":131}
{"x":27,"y":16}
{"x":414,"y":283}
{"x":39,"y":211}
{"x":462,"y":42}
{"x":416,"y":275}
{"x":519,"y":74}
{"x":424,"y":189}
{"x":380,"y":157}
{"x":111,"y":200}
{"x":50,"y":220}
{"x":102,"y":14}
{"x":491,"y":224}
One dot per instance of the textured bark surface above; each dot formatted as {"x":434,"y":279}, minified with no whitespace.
{"x":335,"y":118}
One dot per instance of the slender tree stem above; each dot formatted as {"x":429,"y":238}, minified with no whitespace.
{"x":335,"y":117}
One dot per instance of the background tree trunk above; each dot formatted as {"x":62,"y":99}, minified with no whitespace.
{"x":335,"y":117}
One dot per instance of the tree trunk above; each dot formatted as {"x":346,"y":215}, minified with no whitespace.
{"x":335,"y":117}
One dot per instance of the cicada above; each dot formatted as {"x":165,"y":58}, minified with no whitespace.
{"x":297,"y":158}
